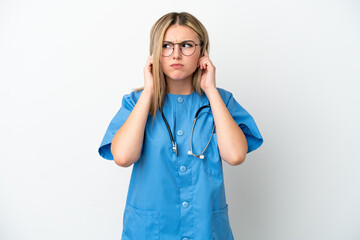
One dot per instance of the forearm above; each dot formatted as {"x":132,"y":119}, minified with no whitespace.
{"x":231,"y":140}
{"x":127,"y":142}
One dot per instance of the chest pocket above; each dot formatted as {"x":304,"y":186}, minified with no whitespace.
{"x":140,"y":225}
{"x":212,"y":160}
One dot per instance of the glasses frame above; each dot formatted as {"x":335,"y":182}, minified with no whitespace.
{"x":196,"y":44}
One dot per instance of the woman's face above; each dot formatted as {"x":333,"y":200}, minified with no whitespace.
{"x":177,"y":34}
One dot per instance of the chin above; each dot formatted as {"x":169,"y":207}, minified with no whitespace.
{"x":178,"y":77}
{"x":175,"y":78}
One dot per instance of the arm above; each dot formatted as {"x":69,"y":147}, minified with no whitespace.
{"x":127,"y":143}
{"x":231,"y":140}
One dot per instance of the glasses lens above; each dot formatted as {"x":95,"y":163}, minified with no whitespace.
{"x":167,"y":49}
{"x":187,"y":48}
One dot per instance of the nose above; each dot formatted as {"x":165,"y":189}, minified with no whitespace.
{"x":177,"y":52}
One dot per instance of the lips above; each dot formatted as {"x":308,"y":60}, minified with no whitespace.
{"x":176,"y":65}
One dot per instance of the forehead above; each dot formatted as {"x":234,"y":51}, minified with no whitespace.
{"x":179,"y":33}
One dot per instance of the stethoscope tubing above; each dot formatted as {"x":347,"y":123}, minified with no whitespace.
{"x":190,"y":152}
{"x":169,"y":130}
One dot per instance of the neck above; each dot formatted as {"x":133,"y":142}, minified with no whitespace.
{"x":181,"y":87}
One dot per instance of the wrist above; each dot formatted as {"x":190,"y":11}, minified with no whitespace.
{"x":210,"y":91}
{"x":148,"y":92}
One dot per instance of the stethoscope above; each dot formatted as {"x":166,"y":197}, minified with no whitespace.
{"x":190,"y":152}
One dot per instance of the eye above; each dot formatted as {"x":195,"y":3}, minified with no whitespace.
{"x":187,"y":45}
{"x":167,"y":45}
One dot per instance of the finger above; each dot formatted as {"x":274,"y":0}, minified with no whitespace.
{"x":203,"y":66}
{"x":204,"y":61}
{"x":150,"y":60}
{"x":209,"y":65}
{"x":201,"y":61}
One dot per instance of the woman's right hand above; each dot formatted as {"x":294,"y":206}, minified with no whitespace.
{"x":128,"y":141}
{"x":148,"y":76}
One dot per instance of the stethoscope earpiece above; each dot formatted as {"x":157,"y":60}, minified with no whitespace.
{"x":201,"y":156}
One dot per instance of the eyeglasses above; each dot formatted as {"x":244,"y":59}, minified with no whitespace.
{"x":187,"y":48}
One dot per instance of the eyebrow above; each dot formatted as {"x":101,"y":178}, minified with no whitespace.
{"x":181,"y":41}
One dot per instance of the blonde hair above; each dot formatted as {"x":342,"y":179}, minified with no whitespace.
{"x":156,"y":41}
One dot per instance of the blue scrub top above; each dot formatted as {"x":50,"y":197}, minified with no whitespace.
{"x":178,"y":196}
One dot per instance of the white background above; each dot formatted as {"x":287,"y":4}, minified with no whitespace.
{"x":293,"y":65}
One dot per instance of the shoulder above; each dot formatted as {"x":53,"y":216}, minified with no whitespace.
{"x":131,"y":98}
{"x":225,"y":95}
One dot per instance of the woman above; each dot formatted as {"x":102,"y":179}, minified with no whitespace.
{"x":176,"y":189}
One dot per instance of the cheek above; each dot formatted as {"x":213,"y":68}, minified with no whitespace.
{"x":196,"y":59}
{"x":194,"y":63}
{"x":163,"y":64}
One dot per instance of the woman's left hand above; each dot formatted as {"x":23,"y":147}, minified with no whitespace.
{"x":207,"y":80}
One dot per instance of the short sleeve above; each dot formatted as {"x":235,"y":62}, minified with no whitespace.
{"x":128,"y":103}
{"x":245,"y":122}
